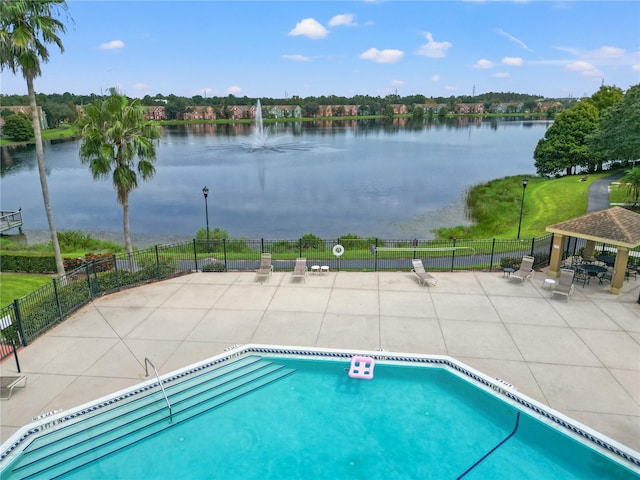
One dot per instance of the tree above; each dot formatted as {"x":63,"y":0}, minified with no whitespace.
{"x":564,"y":146}
{"x":18,"y":127}
{"x":631,"y":183}
{"x":617,"y":136}
{"x":606,"y":97}
{"x":114,"y":134}
{"x":27,"y":27}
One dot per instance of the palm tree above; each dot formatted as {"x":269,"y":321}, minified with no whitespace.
{"x":631,"y":183}
{"x":114,"y":134}
{"x":27,"y":26}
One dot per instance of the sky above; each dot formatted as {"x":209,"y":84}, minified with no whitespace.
{"x":281,"y":49}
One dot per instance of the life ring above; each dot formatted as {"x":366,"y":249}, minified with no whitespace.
{"x":338,"y":250}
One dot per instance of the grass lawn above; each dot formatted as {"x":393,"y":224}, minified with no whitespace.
{"x":16,"y":285}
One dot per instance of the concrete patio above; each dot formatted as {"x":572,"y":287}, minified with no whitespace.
{"x":581,"y":357}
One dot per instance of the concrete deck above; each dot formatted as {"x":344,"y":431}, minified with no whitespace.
{"x":581,"y":357}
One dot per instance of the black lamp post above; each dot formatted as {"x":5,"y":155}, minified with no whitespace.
{"x":205,"y":192}
{"x":524,"y":187}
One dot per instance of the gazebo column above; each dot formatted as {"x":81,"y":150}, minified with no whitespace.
{"x":555,"y":262}
{"x":589,"y":248}
{"x":619,"y":269}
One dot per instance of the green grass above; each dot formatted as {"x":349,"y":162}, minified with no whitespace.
{"x":16,"y":285}
{"x":495,"y":206}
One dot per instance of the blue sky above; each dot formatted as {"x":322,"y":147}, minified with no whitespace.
{"x":310,"y":48}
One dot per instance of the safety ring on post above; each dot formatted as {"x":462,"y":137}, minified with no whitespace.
{"x":338,"y":250}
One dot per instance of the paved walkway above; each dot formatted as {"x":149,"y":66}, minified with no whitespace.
{"x":599,"y":192}
{"x":581,"y":357}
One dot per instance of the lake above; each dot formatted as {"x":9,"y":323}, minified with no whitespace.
{"x":370,"y":178}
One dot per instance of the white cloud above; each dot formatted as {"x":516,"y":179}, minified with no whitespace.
{"x":433,"y":49}
{"x":397,"y":83}
{"x":513,"y":39}
{"x":483,"y":63}
{"x":636,"y":67}
{"x":309,"y":27}
{"x":512,"y":61}
{"x":583,"y":67}
{"x":297,"y":58}
{"x":382,"y":56}
{"x":343,"y":20}
{"x":233,"y":90}
{"x":604,"y":53}
{"x":501,"y":75}
{"x":435,"y":78}
{"x":112,"y":45}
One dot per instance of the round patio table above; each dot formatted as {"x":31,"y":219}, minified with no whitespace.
{"x":608,"y":259}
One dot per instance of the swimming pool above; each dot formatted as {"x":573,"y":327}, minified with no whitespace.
{"x":272,"y":412}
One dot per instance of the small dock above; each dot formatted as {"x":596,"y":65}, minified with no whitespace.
{"x":10,"y":220}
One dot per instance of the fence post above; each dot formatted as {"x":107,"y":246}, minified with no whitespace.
{"x":157,"y":263}
{"x":195,"y":253}
{"x":533,"y":245}
{"x":55,"y":292}
{"x":262,"y":245}
{"x":16,"y":308}
{"x":493,"y":249}
{"x":375,"y":257}
{"x":300,"y":247}
{"x":115,"y":269}
{"x":453,"y":255}
{"x":86,"y":271}
{"x":224,"y":251}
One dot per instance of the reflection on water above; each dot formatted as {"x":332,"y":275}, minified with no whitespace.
{"x":393,"y":179}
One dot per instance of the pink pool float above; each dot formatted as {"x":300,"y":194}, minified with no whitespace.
{"x":362,"y":367}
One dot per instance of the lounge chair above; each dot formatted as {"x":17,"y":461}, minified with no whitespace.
{"x":564,"y":285}
{"x":7,"y":384}
{"x":300,"y":269}
{"x":424,"y":277}
{"x":266,"y":268}
{"x":525,"y":272}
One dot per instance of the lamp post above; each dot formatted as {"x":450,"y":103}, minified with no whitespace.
{"x":524,"y":187}
{"x":205,"y":192}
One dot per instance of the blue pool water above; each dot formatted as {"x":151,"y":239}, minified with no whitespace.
{"x":316,"y":422}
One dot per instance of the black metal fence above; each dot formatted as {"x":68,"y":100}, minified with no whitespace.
{"x":28,"y":317}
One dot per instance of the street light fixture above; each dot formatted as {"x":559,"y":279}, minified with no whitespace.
{"x":524,"y":187}
{"x":205,"y":192}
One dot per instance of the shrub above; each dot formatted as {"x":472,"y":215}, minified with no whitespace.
{"x":214,"y":267}
{"x":310,"y":241}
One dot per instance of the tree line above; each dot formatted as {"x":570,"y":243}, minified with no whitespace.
{"x":596,"y":132}
{"x":62,"y":107}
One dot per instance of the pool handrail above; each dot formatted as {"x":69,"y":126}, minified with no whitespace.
{"x":147,"y":362}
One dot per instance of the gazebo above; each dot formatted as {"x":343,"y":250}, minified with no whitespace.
{"x":615,"y":226}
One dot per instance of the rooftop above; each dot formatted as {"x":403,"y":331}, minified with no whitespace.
{"x":580,"y":357}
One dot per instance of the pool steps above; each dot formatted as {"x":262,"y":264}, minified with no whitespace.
{"x":70,"y":446}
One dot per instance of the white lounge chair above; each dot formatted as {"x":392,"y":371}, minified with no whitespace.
{"x":564,"y":285}
{"x":300,"y":269}
{"x":525,"y":272}
{"x":266,"y":268}
{"x":424,"y":277}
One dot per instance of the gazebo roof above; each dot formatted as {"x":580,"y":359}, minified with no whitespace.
{"x":615,"y":225}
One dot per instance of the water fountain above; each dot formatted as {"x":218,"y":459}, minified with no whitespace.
{"x":263,"y":140}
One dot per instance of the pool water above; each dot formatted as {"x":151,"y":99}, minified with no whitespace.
{"x":408,"y":422}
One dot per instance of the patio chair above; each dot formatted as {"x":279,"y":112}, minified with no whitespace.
{"x":582,"y":276}
{"x":424,"y":277}
{"x":564,"y":285}
{"x":300,"y":269}
{"x":525,"y":272}
{"x":266,"y":268}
